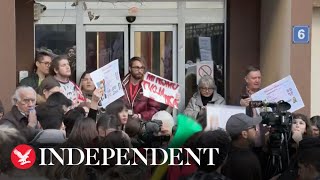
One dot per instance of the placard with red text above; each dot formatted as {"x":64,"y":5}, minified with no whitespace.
{"x":160,"y":89}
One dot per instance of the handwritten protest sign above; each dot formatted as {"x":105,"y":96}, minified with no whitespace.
{"x":218,"y":115}
{"x":160,"y":89}
{"x":284,"y":89}
{"x":108,"y":78}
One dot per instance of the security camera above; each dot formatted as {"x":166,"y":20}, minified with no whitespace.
{"x":38,"y":10}
{"x":130,"y":19}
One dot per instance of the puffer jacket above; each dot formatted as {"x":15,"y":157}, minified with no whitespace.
{"x":140,"y":105}
{"x":195,"y":104}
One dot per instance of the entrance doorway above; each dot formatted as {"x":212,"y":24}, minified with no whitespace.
{"x":156,"y":44}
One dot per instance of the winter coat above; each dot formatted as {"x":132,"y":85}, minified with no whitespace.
{"x":195,"y":104}
{"x":140,"y":104}
{"x":15,"y":119}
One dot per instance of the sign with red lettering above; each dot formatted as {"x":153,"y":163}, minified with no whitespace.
{"x":160,"y":89}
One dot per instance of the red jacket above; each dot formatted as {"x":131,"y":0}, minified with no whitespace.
{"x":140,"y":104}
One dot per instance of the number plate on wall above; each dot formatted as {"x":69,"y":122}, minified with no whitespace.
{"x":301,"y":34}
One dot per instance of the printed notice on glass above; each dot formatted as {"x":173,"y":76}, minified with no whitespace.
{"x":205,"y":48}
{"x":160,"y":89}
{"x":108,"y":78}
{"x":284,"y":89}
{"x":218,"y":115}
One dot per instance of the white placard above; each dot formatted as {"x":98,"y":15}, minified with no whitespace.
{"x":218,"y":115}
{"x":284,"y":89}
{"x":108,"y":77}
{"x":160,"y":89}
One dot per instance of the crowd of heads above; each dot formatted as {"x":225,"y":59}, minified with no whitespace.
{"x":60,"y":124}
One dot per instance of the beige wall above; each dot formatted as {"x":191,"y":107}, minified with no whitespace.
{"x":243,"y":44}
{"x":315,"y":63}
{"x":275,"y":36}
{"x":7,"y":52}
{"x":279,"y":57}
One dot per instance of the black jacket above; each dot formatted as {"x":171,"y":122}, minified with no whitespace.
{"x":14,"y":119}
{"x":32,"y":81}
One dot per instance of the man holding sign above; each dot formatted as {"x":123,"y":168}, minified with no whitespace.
{"x":139,"y":105}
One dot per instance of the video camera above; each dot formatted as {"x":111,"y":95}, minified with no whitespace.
{"x":148,"y":135}
{"x":279,"y":116}
{"x":279,"y":120}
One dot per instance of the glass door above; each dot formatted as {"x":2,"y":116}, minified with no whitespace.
{"x":157,"y":45}
{"x":105,"y":43}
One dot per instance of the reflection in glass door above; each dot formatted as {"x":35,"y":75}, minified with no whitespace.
{"x":157,"y":45}
{"x":105,"y":44}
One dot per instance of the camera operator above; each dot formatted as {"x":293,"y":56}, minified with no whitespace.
{"x":155,"y":133}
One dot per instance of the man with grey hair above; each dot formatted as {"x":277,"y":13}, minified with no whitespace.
{"x":207,"y":92}
{"x":22,"y":115}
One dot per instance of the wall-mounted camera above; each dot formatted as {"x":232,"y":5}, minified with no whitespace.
{"x":38,"y":10}
{"x":130,"y":19}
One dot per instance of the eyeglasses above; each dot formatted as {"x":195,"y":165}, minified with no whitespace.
{"x":46,"y":63}
{"x":206,"y":89}
{"x":138,"y":68}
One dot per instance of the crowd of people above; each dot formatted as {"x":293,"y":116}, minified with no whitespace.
{"x":50,"y":110}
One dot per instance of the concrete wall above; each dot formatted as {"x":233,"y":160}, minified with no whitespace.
{"x":275,"y":39}
{"x":315,"y":63}
{"x":7,"y":52}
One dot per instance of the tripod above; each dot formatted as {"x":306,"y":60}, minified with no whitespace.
{"x":278,"y":159}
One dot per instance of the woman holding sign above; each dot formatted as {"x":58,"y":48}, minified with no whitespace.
{"x":207,"y":92}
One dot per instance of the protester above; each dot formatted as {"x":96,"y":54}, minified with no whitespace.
{"x":300,"y":130}
{"x":83,"y":132}
{"x":23,"y":115}
{"x":315,"y":124}
{"x":86,"y":85}
{"x":107,"y":124}
{"x":71,"y":117}
{"x":212,"y":139}
{"x":140,"y":106}
{"x":120,"y":110}
{"x":242,"y":163}
{"x":48,"y":86}
{"x":61,"y":71}
{"x":41,"y":70}
{"x":252,"y":85}
{"x":51,"y":121}
{"x":207,"y":93}
{"x":309,"y":159}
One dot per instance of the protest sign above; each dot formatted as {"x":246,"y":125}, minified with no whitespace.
{"x":160,"y":89}
{"x":284,"y":89}
{"x":218,"y":115}
{"x":108,"y":78}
